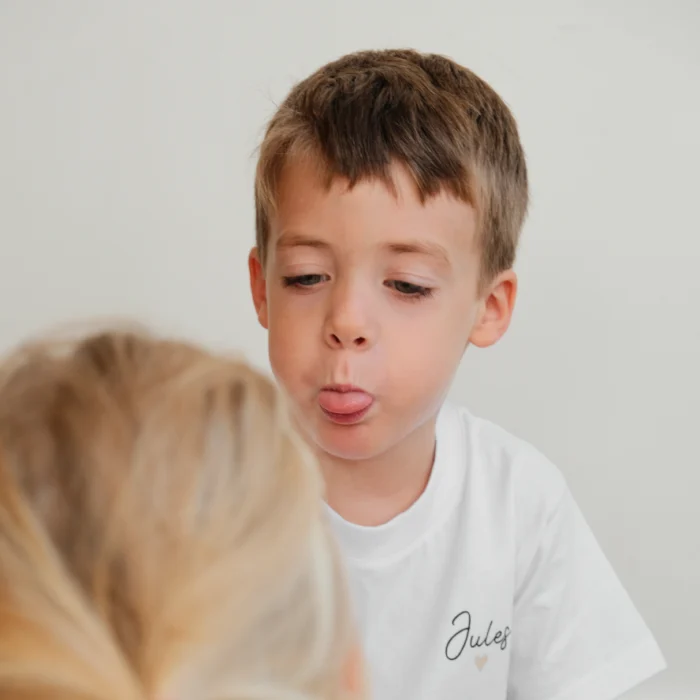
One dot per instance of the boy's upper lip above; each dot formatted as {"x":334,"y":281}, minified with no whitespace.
{"x":344,"y":388}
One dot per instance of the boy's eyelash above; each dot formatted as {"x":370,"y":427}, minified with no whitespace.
{"x":302,"y":280}
{"x":408,"y":290}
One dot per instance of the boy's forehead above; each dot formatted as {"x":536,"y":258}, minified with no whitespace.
{"x":311,"y":204}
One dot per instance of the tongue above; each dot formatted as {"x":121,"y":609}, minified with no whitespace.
{"x":344,"y":402}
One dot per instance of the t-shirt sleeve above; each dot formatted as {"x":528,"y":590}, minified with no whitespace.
{"x":576,"y":633}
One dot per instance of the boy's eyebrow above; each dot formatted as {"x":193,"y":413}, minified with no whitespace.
{"x":297,"y":240}
{"x":433,"y":250}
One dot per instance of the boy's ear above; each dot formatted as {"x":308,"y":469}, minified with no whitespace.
{"x":354,"y":674}
{"x":258,"y":286}
{"x":496,"y":310}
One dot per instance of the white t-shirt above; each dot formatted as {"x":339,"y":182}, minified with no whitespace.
{"x":492,"y":586}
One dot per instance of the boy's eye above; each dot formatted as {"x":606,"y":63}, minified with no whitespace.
{"x":408,"y":289}
{"x":303,"y":280}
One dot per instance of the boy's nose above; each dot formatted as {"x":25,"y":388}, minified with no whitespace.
{"x":344,"y":331}
{"x":346,"y":340}
{"x":347,"y":327}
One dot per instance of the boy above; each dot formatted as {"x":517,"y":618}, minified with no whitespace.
{"x":390,"y":194}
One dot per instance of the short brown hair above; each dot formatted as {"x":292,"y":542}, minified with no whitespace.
{"x":448,"y":127}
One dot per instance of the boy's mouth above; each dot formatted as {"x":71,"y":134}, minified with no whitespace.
{"x":344,"y":404}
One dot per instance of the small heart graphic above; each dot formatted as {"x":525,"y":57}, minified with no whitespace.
{"x":480,"y":662}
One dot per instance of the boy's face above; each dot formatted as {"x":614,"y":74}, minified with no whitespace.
{"x":371,"y":298}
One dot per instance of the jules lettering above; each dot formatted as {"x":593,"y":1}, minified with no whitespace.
{"x":466,"y":636}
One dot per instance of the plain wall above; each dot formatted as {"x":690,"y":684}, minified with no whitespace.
{"x":127,"y":137}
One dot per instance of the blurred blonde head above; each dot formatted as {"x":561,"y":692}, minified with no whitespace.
{"x":161,"y":532}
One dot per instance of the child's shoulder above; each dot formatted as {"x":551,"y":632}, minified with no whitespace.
{"x":504,"y":460}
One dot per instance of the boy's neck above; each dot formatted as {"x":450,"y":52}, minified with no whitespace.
{"x":371,"y":492}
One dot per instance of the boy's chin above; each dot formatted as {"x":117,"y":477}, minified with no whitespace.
{"x":356,"y":444}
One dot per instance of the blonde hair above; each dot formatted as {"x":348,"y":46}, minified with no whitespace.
{"x":161,"y":531}
{"x":361,"y":113}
